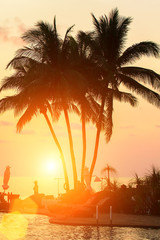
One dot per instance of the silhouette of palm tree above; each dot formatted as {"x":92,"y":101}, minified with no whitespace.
{"x":83,"y":64}
{"x":30,"y":100}
{"x":47,"y":48}
{"x":107,"y":46}
{"x":109,"y":170}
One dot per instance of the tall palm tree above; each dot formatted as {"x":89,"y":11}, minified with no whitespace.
{"x":83,"y":64}
{"x":45,"y":46}
{"x":30,"y":100}
{"x":108,"y":46}
{"x":86,"y":88}
{"x":109,"y":170}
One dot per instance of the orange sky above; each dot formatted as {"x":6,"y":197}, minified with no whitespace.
{"x":134,"y":146}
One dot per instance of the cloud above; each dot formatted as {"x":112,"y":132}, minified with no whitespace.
{"x":5,"y":123}
{"x":157,"y":126}
{"x":21,"y":27}
{"x":28,"y":132}
{"x":126,"y":127}
{"x":11,"y":31}
{"x":3,"y":141}
{"x":132,"y":135}
{"x":76,"y":126}
{"x":92,"y":127}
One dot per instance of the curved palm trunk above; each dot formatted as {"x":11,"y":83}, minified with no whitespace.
{"x":71,"y":147}
{"x":97,"y":136}
{"x":84,"y":145}
{"x":60,"y":150}
{"x":108,"y":177}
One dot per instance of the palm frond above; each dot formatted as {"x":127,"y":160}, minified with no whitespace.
{"x":26,"y":117}
{"x":138,"y":50}
{"x":13,"y":82}
{"x":96,"y":23}
{"x":123,"y":28}
{"x":144,"y":75}
{"x":108,"y":168}
{"x":151,"y":96}
{"x":125,"y":97}
{"x":56,"y":110}
{"x":13,"y":102}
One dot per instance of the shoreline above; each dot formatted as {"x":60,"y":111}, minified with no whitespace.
{"x":119,"y":220}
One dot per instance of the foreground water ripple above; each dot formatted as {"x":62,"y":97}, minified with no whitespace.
{"x":37,"y":227}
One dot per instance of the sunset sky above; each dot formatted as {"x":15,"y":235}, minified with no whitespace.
{"x":135,"y":143}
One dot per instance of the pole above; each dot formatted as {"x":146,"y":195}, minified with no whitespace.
{"x":58,"y":187}
{"x":97,"y":214}
{"x":111,"y":215}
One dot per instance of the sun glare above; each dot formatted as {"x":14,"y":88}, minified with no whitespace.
{"x":50,"y":166}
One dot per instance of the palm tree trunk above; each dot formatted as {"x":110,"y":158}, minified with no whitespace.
{"x":71,"y":147}
{"x":60,"y":150}
{"x":97,"y":136}
{"x":108,"y":177}
{"x":84,"y":145}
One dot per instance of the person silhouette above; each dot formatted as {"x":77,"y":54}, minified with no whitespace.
{"x":35,"y":188}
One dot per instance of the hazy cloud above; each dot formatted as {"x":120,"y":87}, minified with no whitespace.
{"x":132,"y":135}
{"x":126,"y":127}
{"x":91,"y":127}
{"x":76,"y":126}
{"x":3,"y":141}
{"x":5,"y":123}
{"x":157,"y":126}
{"x":11,"y":31}
{"x":28,"y":132}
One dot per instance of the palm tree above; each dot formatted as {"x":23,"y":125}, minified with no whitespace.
{"x":136,"y":181}
{"x":47,"y":48}
{"x":85,"y":86}
{"x":152,"y":181}
{"x":30,"y":99}
{"x":108,"y":45}
{"x":147,"y":192}
{"x":109,"y":170}
{"x":83,"y":64}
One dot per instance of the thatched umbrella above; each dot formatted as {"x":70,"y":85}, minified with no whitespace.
{"x":6,"y":178}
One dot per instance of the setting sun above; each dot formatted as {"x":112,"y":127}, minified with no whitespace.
{"x":51,"y":166}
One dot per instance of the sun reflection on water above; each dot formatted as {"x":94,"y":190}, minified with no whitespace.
{"x":13,"y":226}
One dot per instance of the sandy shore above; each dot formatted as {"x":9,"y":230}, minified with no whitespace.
{"x":120,"y":220}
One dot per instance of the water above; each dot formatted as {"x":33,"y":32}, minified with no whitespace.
{"x":37,"y":227}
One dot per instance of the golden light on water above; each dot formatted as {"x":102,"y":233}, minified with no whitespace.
{"x":13,"y":226}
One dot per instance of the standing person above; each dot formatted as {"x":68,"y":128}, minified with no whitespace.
{"x":35,"y":188}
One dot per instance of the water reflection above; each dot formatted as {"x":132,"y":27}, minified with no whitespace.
{"x":40,"y":228}
{"x":87,"y":232}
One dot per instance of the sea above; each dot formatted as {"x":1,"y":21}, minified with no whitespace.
{"x":15,"y":226}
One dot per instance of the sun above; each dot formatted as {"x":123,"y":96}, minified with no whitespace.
{"x":50,"y":166}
